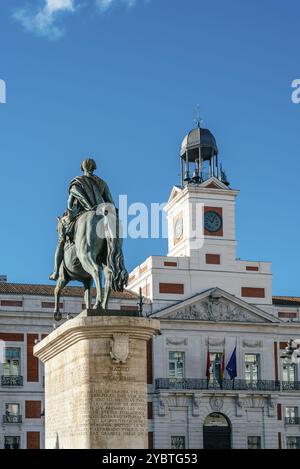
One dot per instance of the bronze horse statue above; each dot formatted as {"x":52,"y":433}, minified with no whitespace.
{"x":96,"y":247}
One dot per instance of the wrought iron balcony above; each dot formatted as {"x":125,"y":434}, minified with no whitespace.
{"x":225,"y":384}
{"x":292,"y":420}
{"x":12,"y":380}
{"x":12,"y":418}
{"x":290,"y":385}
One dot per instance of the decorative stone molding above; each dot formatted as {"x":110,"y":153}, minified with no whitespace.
{"x":252,"y":343}
{"x":178,"y":401}
{"x":247,"y":402}
{"x":271,"y":402}
{"x":216,"y":403}
{"x":195,"y":405}
{"x":258,"y":402}
{"x":161,"y":408}
{"x":254,"y":402}
{"x":190,"y":401}
{"x":216,"y":309}
{"x":214,"y":342}
{"x":84,"y":328}
{"x":240,"y":406}
{"x":176,"y":341}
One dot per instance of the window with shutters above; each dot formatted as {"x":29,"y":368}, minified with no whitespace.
{"x":12,"y":413}
{"x":252,"y":368}
{"x":293,"y":442}
{"x":12,"y":364}
{"x":291,"y":415}
{"x":254,"y":442}
{"x":12,"y":442}
{"x":176,"y":365}
{"x":178,"y":442}
{"x":288,"y":371}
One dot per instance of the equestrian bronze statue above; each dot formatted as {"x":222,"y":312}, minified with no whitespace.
{"x":89,"y":241}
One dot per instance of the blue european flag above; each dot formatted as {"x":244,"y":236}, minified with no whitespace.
{"x":231,"y":365}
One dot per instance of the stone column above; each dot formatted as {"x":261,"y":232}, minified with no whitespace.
{"x":96,"y":382}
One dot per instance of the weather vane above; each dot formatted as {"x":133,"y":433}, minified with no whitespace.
{"x":197,"y":117}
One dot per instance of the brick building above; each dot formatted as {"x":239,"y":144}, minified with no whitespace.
{"x":26,"y":315}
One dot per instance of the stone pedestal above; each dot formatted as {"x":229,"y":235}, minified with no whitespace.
{"x":96,"y":382}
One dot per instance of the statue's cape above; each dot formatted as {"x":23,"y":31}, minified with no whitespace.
{"x":91,"y":188}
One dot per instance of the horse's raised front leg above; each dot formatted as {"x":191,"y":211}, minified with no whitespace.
{"x":87,"y":293}
{"x":60,"y":285}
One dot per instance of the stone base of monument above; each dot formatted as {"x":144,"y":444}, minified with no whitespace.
{"x":96,"y":383}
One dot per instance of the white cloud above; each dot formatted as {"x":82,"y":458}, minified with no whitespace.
{"x":104,"y":5}
{"x":43,"y":21}
{"x":55,"y":5}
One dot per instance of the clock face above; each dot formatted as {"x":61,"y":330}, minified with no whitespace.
{"x":212,"y":221}
{"x":178,"y":230}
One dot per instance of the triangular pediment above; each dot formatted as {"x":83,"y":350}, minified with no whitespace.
{"x":214,"y":183}
{"x":175,"y":191}
{"x":215,"y":305}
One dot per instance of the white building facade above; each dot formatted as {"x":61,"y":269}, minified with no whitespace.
{"x":214,"y":307}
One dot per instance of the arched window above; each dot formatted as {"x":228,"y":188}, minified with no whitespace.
{"x":216,"y":432}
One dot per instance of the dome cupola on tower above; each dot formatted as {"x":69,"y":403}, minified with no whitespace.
{"x":199,"y":141}
{"x":199,"y":149}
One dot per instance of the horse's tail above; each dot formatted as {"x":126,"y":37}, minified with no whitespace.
{"x":116,"y":265}
{"x":115,"y":258}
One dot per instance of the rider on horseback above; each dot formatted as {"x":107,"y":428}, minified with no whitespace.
{"x":85,"y":193}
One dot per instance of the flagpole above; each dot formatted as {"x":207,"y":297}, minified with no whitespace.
{"x":236,"y":361}
{"x":223,"y":365}
{"x":207,"y":363}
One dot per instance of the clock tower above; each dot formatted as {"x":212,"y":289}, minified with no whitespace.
{"x":201,"y":212}
{"x":202,"y":245}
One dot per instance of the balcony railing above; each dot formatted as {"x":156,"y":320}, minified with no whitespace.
{"x":290,"y":385}
{"x":225,"y":384}
{"x":292,"y":420}
{"x":12,"y":380}
{"x":12,"y":418}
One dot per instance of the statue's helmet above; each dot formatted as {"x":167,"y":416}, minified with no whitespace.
{"x":89,"y":165}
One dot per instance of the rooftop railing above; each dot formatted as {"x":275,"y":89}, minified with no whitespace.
{"x":12,"y":418}
{"x":12,"y":380}
{"x":292,"y":420}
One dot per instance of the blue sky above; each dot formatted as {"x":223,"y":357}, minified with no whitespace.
{"x":119,"y":80}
